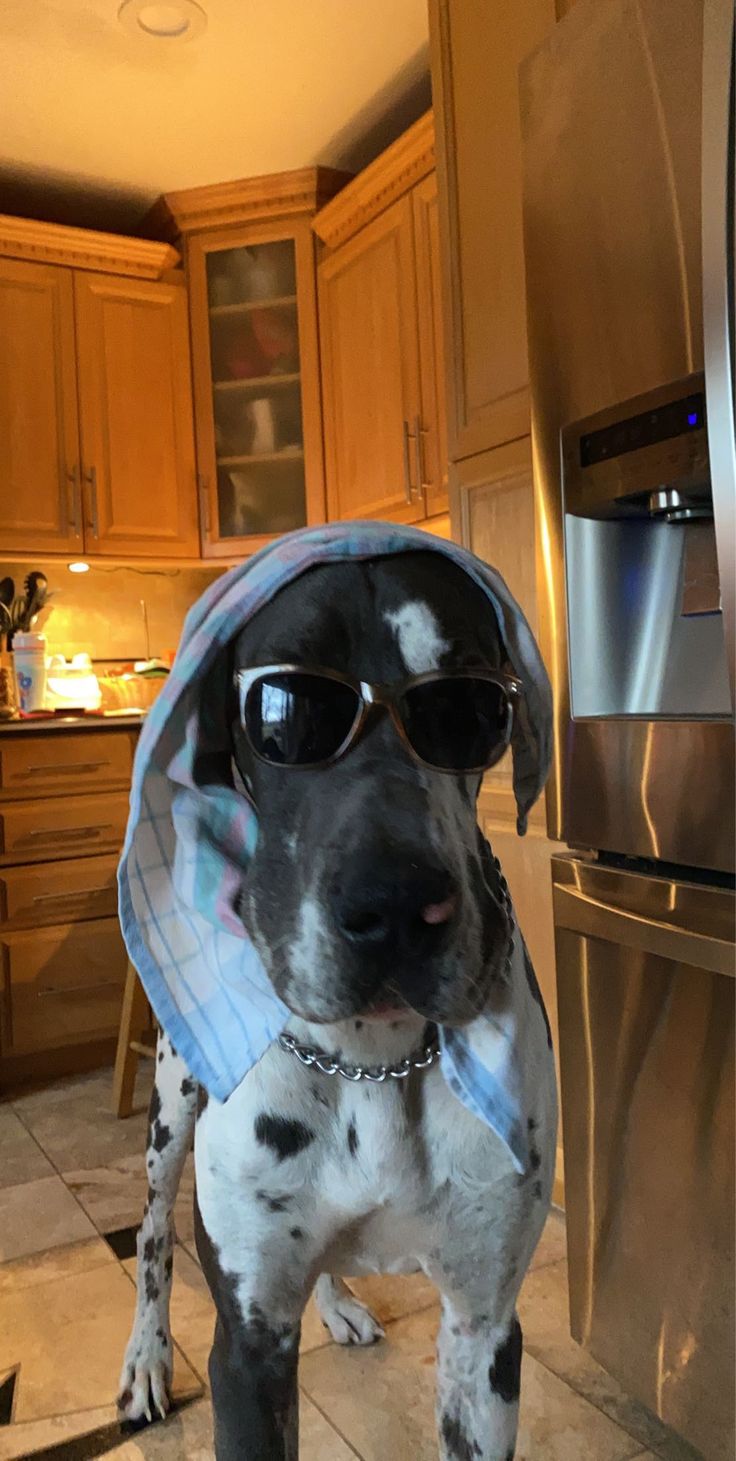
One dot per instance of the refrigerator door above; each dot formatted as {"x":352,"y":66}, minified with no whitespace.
{"x":646,"y":992}
{"x":719,"y":230}
{"x":612,"y":108}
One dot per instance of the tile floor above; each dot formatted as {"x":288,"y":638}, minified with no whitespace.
{"x":72,"y":1187}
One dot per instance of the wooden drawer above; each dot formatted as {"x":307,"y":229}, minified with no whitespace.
{"x":61,"y":985}
{"x":72,"y":826}
{"x":70,"y":891}
{"x":50,"y":765}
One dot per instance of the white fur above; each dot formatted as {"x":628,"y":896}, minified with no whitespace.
{"x":420,"y":642}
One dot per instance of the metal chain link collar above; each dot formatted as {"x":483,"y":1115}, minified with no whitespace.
{"x":329,"y":1065}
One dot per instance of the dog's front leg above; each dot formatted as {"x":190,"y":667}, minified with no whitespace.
{"x":147,"y":1369}
{"x":478,"y":1380}
{"x":254,"y":1358}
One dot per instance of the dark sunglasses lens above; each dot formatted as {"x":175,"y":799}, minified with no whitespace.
{"x":295,"y":719}
{"x":457,"y":724}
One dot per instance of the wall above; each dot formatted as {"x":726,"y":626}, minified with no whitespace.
{"x":101,"y":611}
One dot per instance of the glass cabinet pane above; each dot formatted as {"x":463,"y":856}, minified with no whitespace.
{"x":256,"y":389}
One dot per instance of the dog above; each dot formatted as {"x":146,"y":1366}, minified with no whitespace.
{"x":379,"y":913}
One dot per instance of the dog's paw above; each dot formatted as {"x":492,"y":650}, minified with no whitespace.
{"x":348,"y":1320}
{"x":145,"y":1383}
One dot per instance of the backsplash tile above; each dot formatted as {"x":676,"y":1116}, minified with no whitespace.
{"x":101,"y":612}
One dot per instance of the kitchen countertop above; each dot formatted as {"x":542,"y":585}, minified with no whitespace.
{"x":55,"y":724}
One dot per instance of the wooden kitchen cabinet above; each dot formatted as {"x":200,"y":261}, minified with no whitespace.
{"x":493,"y":508}
{"x":39,"y":427}
{"x":369,"y":325}
{"x":96,"y":435}
{"x":476,"y":49}
{"x":63,"y":810}
{"x":381,"y":338}
{"x":250,"y":259}
{"x":135,"y":405}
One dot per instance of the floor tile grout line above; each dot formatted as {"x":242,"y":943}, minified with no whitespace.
{"x":643,"y":1448}
{"x":331,"y":1423}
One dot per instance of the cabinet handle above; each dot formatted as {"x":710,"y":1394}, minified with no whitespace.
{"x":421,"y":464}
{"x":408,"y":487}
{"x":53,"y":832}
{"x":72,"y":478}
{"x":204,"y":503}
{"x":90,"y":478}
{"x":66,"y":766}
{"x":71,"y":893}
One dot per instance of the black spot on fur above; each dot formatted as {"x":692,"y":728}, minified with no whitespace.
{"x":459,"y":1446}
{"x":160,"y":1335}
{"x":285,"y":1137}
{"x":358,"y":1024}
{"x":160,"y":1056}
{"x":537,"y":1190}
{"x":352,"y":1139}
{"x":504,"y":1374}
{"x":187,"y":1086}
{"x":169,"y":1266}
{"x":202,"y":1099}
{"x":159,"y":1135}
{"x":531,"y":1124}
{"x":535,"y":1161}
{"x":274,"y":1204}
{"x":296,"y":1232}
{"x":149,"y":1249}
{"x":319,"y":1095}
{"x":152,"y":1289}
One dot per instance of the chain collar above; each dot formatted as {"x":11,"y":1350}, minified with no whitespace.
{"x":329,"y":1065}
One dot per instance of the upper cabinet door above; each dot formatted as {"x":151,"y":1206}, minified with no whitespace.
{"x":476,"y":52}
{"x":368,"y":336}
{"x":39,"y":438}
{"x":256,"y":383}
{"x":432,"y":426}
{"x":135,"y":405}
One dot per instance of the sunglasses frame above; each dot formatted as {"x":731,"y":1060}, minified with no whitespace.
{"x":371,"y":697}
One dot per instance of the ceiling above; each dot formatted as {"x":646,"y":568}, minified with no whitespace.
{"x":96,"y":122}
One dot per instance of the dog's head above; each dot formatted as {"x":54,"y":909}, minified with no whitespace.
{"x":369,"y":889}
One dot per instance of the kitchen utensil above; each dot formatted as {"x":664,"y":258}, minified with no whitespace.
{"x":36,"y":587}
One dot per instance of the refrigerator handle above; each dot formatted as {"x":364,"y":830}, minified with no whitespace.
{"x":576,"y":910}
{"x":719,"y":227}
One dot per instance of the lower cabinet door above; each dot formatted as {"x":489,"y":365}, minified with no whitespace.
{"x":61,"y":985}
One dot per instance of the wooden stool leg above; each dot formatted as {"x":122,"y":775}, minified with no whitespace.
{"x":133,"y":1021}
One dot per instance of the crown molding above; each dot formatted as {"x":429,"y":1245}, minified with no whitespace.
{"x":84,"y":248}
{"x":246,"y":200}
{"x":403,"y":164}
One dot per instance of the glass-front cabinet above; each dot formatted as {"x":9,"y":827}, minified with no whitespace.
{"x":255,"y":361}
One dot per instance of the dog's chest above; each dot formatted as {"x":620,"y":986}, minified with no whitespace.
{"x":368,"y":1172}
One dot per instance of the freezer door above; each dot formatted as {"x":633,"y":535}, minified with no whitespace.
{"x":646,"y":987}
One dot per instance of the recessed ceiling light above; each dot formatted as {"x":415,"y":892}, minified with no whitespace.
{"x":165,"y":20}
{"x":78,"y":567}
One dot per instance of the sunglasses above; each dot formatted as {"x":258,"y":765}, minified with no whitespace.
{"x":455,"y":722}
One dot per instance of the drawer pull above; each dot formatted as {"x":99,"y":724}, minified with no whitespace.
{"x":53,"y":832}
{"x":72,"y":893}
{"x":80,"y":989}
{"x":77,"y":766}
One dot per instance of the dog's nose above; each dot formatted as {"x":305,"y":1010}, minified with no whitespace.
{"x":380,"y":904}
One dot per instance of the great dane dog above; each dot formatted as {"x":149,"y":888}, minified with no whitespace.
{"x":379,"y":913}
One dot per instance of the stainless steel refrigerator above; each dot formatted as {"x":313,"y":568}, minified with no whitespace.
{"x":628,"y":132}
